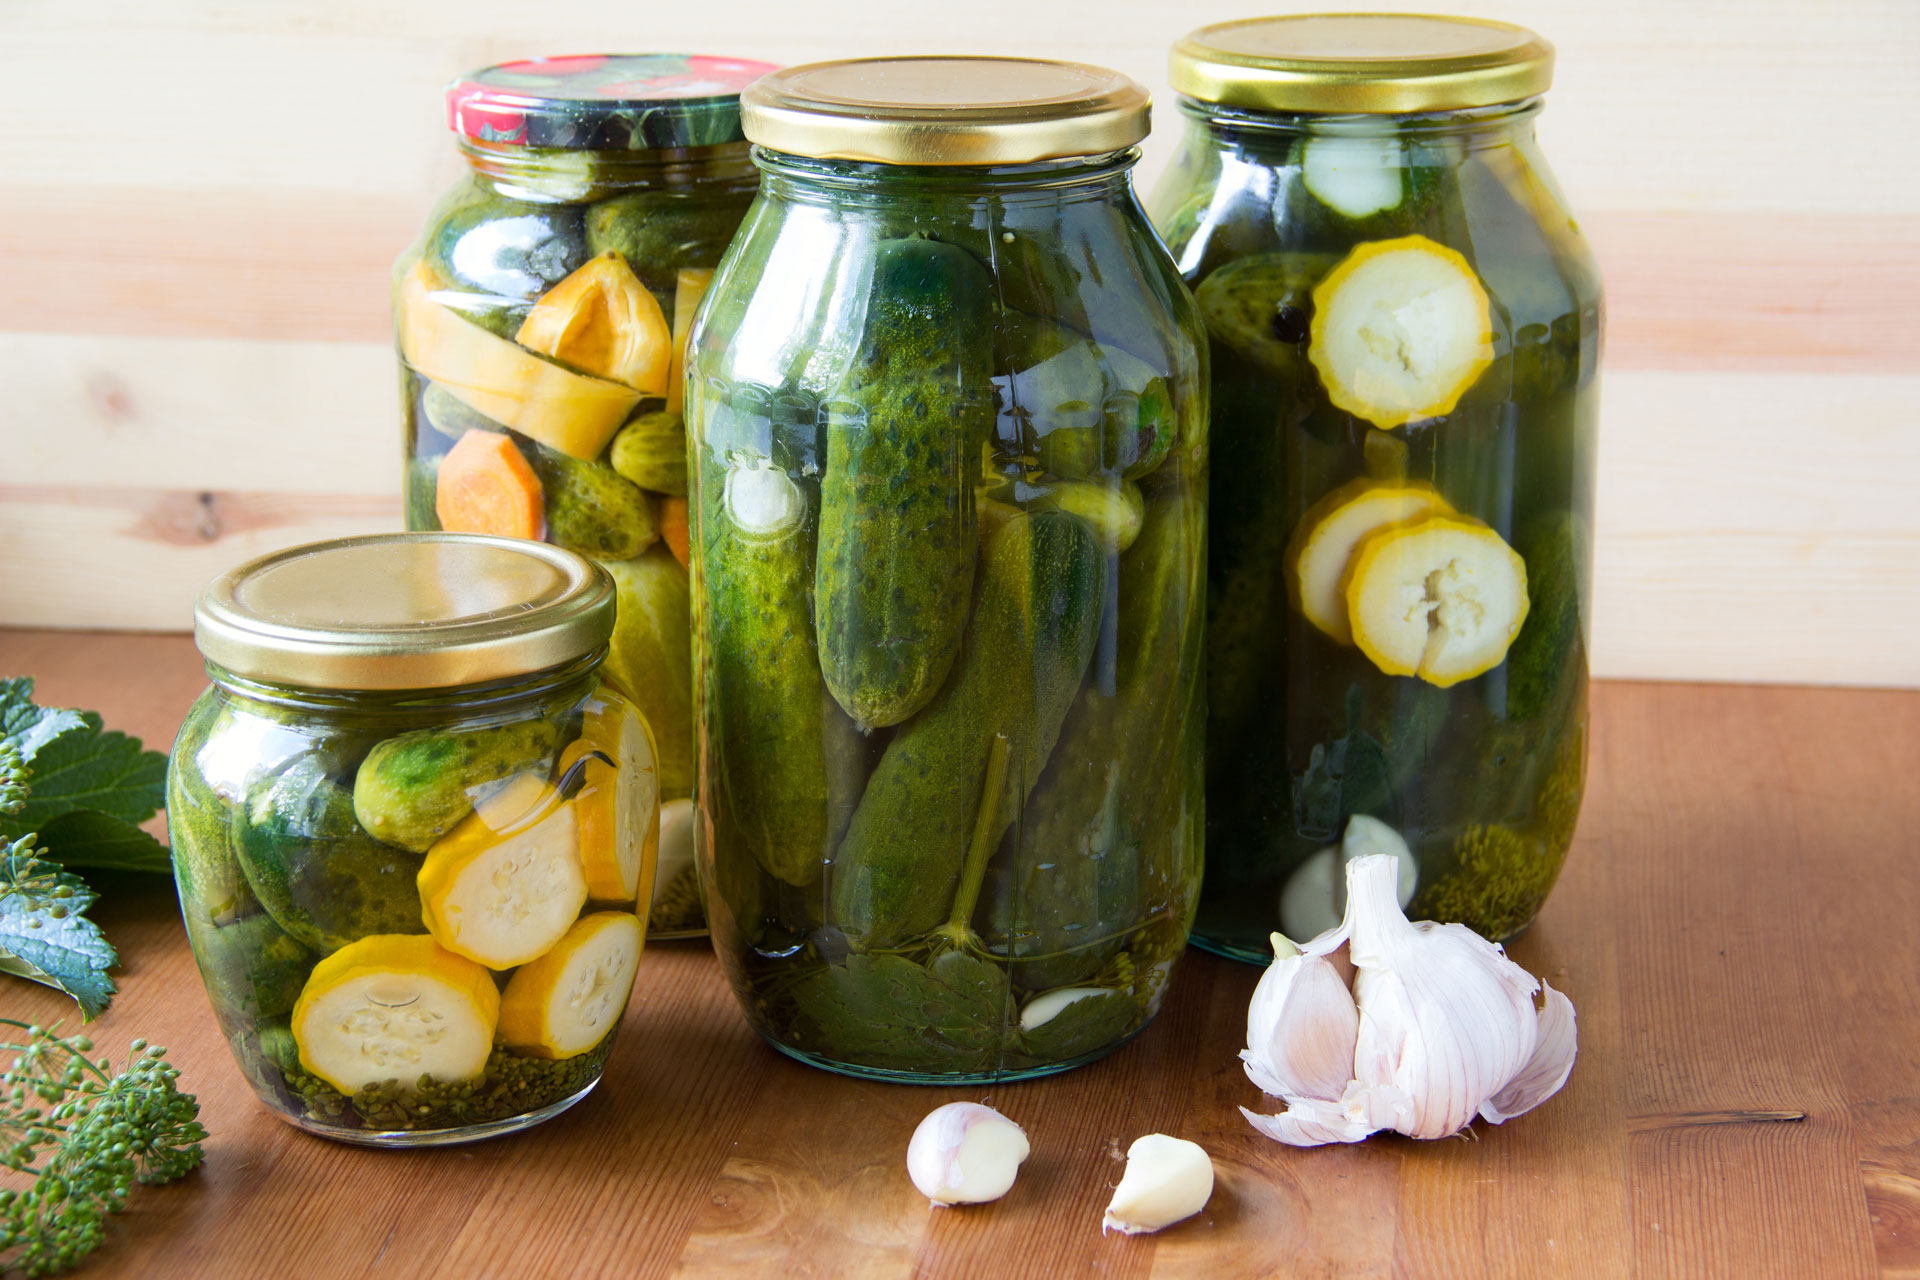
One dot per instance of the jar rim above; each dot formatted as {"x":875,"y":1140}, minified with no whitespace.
{"x":603,"y":101}
{"x":404,"y":611}
{"x":1361,"y":63}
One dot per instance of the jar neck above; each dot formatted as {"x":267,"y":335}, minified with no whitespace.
{"x":563,"y":683}
{"x":549,"y":174}
{"x":808,"y":179}
{"x":1238,"y":128}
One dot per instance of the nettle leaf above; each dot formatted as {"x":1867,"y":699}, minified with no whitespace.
{"x":950,"y":1014}
{"x":100,"y":840}
{"x":1090,"y":1023}
{"x":46,"y":937}
{"x":89,"y":768}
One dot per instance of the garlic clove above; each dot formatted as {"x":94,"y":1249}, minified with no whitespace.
{"x":965,"y":1153}
{"x":1365,"y":836}
{"x":1302,"y":1027}
{"x":1445,"y":1017}
{"x":1547,"y":1070}
{"x":1166,"y":1180}
{"x":1315,"y":895}
{"x":1048,"y":1005}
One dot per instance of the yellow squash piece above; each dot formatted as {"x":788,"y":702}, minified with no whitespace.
{"x":395,"y":1007}
{"x":1324,"y":541}
{"x":1440,"y":598}
{"x":1401,"y":328}
{"x":506,"y":883}
{"x":566,"y":1002}
{"x":689,"y":287}
{"x":618,"y":805}
{"x":603,"y":320}
{"x":565,"y":410}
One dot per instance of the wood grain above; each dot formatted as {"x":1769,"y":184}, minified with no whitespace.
{"x":1734,"y":926}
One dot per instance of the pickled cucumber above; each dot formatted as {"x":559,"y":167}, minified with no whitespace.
{"x":897,"y":539}
{"x":317,"y":874}
{"x":253,"y":968}
{"x":651,"y":451}
{"x":423,"y":493}
{"x":787,"y":751}
{"x":498,"y":255}
{"x":593,"y":509}
{"x":1548,"y":654}
{"x":412,"y":789}
{"x":451,"y":416}
{"x":650,"y":657}
{"x":1036,"y":619}
{"x":1080,"y":408}
{"x":658,"y":232}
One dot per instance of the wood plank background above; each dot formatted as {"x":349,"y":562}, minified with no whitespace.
{"x":199,"y":203}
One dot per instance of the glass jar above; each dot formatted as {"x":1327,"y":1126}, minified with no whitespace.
{"x":410,"y":828}
{"x":947,"y":413}
{"x":541,"y":321}
{"x":1405,"y":328}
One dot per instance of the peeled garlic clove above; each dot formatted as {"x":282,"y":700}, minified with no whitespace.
{"x":1309,"y":903}
{"x":1048,"y":1005}
{"x":1547,"y":1070}
{"x":1365,"y":836}
{"x":1302,"y":1027}
{"x":964,"y":1153}
{"x":1166,"y":1180}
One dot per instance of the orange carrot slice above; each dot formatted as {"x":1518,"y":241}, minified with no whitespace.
{"x":673,"y":527}
{"x":486,"y":486}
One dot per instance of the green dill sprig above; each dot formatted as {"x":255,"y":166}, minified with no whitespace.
{"x":85,"y":1134}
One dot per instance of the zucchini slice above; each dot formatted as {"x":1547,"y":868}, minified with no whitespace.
{"x":505,"y":885}
{"x":689,"y":287}
{"x":1356,"y":177}
{"x":1401,"y":328}
{"x":618,"y":807}
{"x":1324,"y":541}
{"x":1440,"y":598}
{"x":395,"y":1007}
{"x":568,"y":1000}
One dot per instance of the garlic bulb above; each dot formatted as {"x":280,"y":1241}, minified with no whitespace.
{"x":1447,"y":1027}
{"x":965,"y":1153}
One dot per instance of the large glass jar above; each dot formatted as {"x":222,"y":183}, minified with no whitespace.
{"x":1405,"y":330}
{"x":946,"y":405}
{"x":410,"y":829}
{"x":541,"y":320}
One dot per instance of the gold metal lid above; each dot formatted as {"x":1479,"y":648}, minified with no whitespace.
{"x":1368,"y":63}
{"x":404,"y":611}
{"x":945,"y":110}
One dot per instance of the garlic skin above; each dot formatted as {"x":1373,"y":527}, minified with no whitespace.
{"x":1447,"y":1029}
{"x":965,"y":1153}
{"x":1166,"y":1181}
{"x":1302,"y":1027}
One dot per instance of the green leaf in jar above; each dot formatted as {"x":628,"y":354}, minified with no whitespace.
{"x":885,"y":1011}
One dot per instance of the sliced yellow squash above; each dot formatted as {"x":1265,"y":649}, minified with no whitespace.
{"x":395,"y":1007}
{"x":568,"y":411}
{"x":618,"y":805}
{"x":506,"y":883}
{"x":1323,"y":544}
{"x":1440,"y":598}
{"x":1401,"y":328}
{"x":566,"y":1002}
{"x":689,"y":287}
{"x":603,"y":320}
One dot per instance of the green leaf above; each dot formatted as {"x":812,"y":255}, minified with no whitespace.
{"x":886,"y":1011}
{"x":45,"y":937}
{"x":27,"y":726}
{"x":87,"y":768}
{"x":91,"y":839}
{"x":1090,"y":1023}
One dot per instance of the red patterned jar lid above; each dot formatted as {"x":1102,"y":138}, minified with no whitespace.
{"x":604,"y":102}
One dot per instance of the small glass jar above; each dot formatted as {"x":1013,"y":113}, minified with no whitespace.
{"x":410,"y":829}
{"x":947,"y":413}
{"x":1406,"y":329}
{"x":541,"y":320}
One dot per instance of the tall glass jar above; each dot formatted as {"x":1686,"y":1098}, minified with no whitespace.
{"x":946,"y":403}
{"x":411,"y":827}
{"x":1405,"y":327}
{"x":541,"y":320}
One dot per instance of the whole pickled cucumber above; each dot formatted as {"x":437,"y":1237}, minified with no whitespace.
{"x":422,"y":484}
{"x":497,"y":255}
{"x":253,"y":969}
{"x":1099,"y":832}
{"x":787,"y":751}
{"x":651,"y":451}
{"x":650,"y":656}
{"x":1080,"y":408}
{"x":898,"y":538}
{"x":593,"y":509}
{"x":320,"y":877}
{"x":412,"y":788}
{"x":1035,"y":623}
{"x":659,"y":232}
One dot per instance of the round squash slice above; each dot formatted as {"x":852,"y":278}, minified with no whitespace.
{"x":1401,"y":328}
{"x":617,"y":807}
{"x":1324,"y":541}
{"x":1440,"y":598}
{"x":505,"y":885}
{"x":395,"y":1007}
{"x":566,"y":1002}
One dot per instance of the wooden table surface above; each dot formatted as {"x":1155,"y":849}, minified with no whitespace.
{"x":1739,"y":927}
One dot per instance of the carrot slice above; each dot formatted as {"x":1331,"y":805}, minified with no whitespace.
{"x":486,"y":486}
{"x":673,"y":527}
